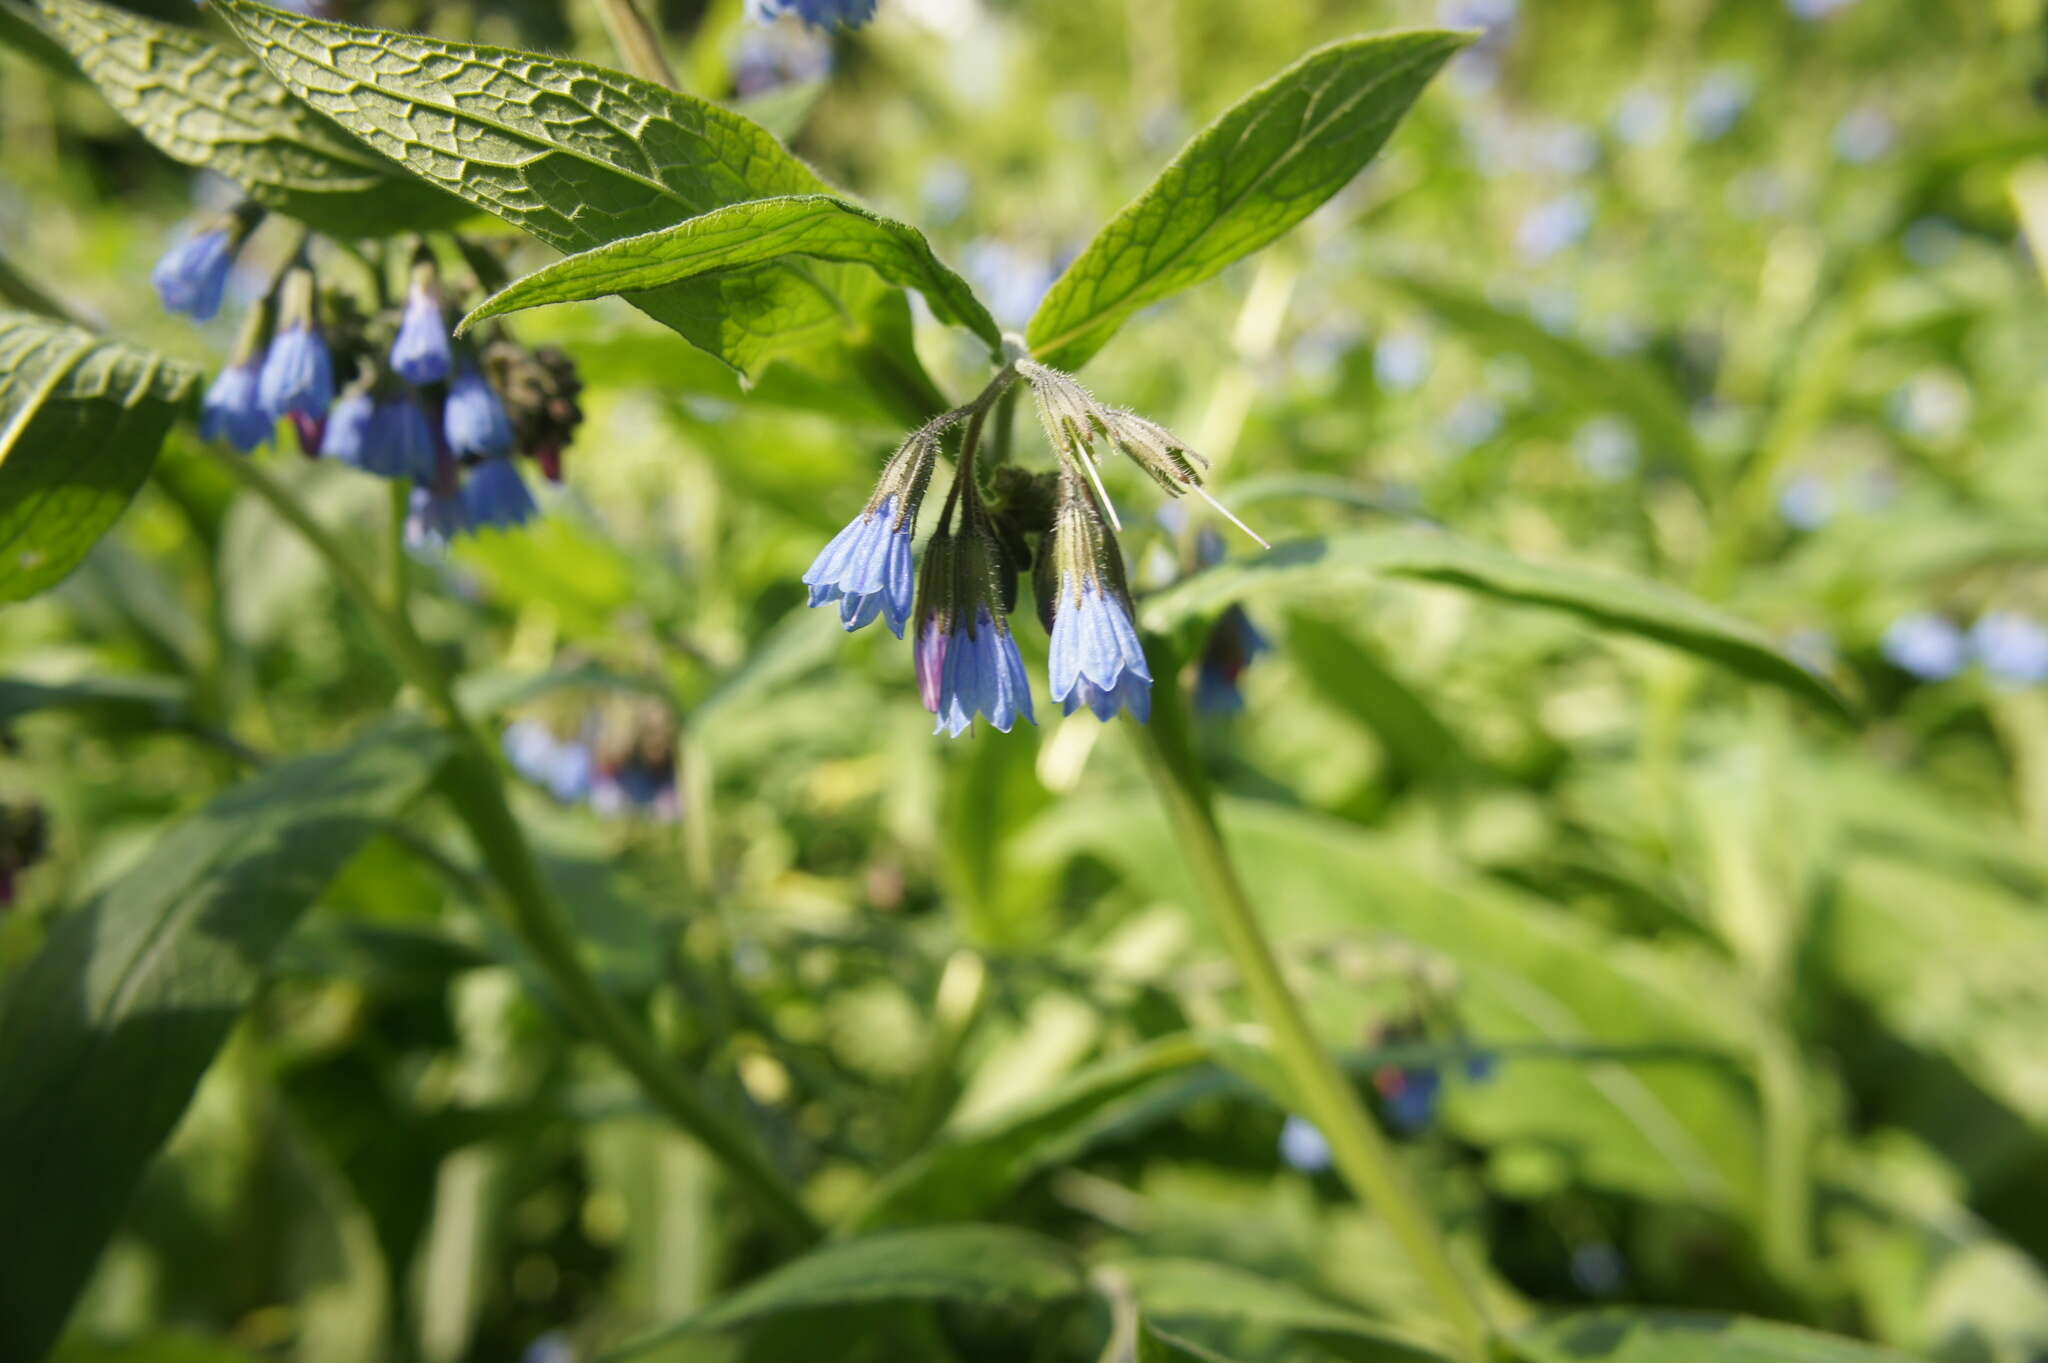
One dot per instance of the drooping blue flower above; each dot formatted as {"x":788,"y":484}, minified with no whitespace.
{"x":969,"y":667}
{"x":1865,"y":135}
{"x":474,"y":420}
{"x":1409,"y":1095}
{"x":435,"y":516}
{"x":192,"y":275}
{"x":1401,"y":361}
{"x":1097,"y":660}
{"x":866,"y":568}
{"x":1303,"y":1145}
{"x":1806,"y":502}
{"x":382,"y":432}
{"x":1719,"y":102}
{"x":233,"y":412}
{"x":496,"y":497}
{"x":816,"y":13}
{"x":298,"y":374}
{"x":2012,"y":647}
{"x":1926,"y":646}
{"x":1233,"y":642}
{"x":1554,"y":226}
{"x":422,"y":352}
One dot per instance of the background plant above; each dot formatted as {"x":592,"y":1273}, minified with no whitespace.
{"x":1635,"y":757}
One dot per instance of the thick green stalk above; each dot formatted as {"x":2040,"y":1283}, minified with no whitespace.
{"x":1321,"y":1091}
{"x":476,"y":787}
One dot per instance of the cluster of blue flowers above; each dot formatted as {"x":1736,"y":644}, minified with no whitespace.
{"x":966,"y":657}
{"x":616,"y":762}
{"x":424,"y":409}
{"x":2011,"y":647}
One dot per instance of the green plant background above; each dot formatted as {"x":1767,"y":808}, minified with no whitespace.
{"x":1763,"y":971}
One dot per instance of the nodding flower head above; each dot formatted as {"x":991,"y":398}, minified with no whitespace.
{"x":866,"y":567}
{"x":233,"y":409}
{"x":496,"y":497}
{"x":422,"y":353}
{"x":1233,"y":642}
{"x":435,"y":515}
{"x":381,"y":428}
{"x":192,"y":276}
{"x":816,"y":13}
{"x":967,"y":659}
{"x":298,"y":373}
{"x":1097,"y":660}
{"x":474,"y":420}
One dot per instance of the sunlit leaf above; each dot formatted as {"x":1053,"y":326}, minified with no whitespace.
{"x":1244,"y":180}
{"x":1678,"y":1337}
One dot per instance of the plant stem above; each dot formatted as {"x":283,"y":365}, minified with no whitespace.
{"x":1321,"y":1091}
{"x":637,"y":42}
{"x":476,"y":787}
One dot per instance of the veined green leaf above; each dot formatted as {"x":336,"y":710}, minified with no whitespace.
{"x":1341,"y":564}
{"x":580,"y":156}
{"x":81,"y":420}
{"x":104,"y":1035}
{"x":1198,"y":1289}
{"x":1243,"y":181}
{"x":814,"y":226}
{"x":943,"y":1263}
{"x":1619,"y":1336}
{"x":216,"y":109}
{"x":1600,"y":382}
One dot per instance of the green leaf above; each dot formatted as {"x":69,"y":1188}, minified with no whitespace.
{"x":1618,"y":1336}
{"x":971,"y":1171}
{"x":812,"y":226}
{"x":152,"y":700}
{"x":1352,"y":678}
{"x":1198,"y":1289}
{"x":218,"y":110}
{"x":105,"y":1033}
{"x":81,"y":420}
{"x":23,"y":32}
{"x":1243,"y":181}
{"x":972,"y":1263}
{"x":1344,"y":564}
{"x":580,"y":156}
{"x":1601,"y":383}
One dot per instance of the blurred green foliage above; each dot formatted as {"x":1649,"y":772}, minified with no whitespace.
{"x":1721,"y":296}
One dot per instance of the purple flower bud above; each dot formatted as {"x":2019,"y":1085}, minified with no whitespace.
{"x":233,"y":411}
{"x":192,"y":275}
{"x":475,"y":421}
{"x":496,"y":497}
{"x":422,"y":353}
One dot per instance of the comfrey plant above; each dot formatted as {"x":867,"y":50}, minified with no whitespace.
{"x":998,"y":521}
{"x":391,"y":393}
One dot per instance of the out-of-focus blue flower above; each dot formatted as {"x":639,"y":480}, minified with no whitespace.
{"x":1401,"y":360}
{"x":1817,"y":9}
{"x":1934,"y":405}
{"x":1719,"y":102}
{"x":1606,"y":448}
{"x":2012,"y":647}
{"x":552,"y":1347}
{"x":298,"y":374}
{"x":1096,"y":658}
{"x":233,"y":410}
{"x":565,"y":766}
{"x":1925,"y":645}
{"x":1474,"y":419}
{"x":474,"y":419}
{"x":817,"y":13}
{"x":969,"y":667}
{"x":1598,"y":1270}
{"x":1303,"y":1147}
{"x":385,"y":433}
{"x":1481,"y":1066}
{"x":422,"y":353}
{"x":192,"y":275}
{"x":1931,"y":242}
{"x":866,"y":567}
{"x":1812,"y":648}
{"x":496,"y":497}
{"x":1484,"y":14}
{"x":435,"y":516}
{"x":1011,"y":278}
{"x":1864,"y":135}
{"x":947,"y":188}
{"x":1566,"y":148}
{"x":1409,"y":1095}
{"x":1554,"y":225}
{"x":1641,"y":116}
{"x":772,"y":58}
{"x":1232,"y":644}
{"x":1806,"y":502}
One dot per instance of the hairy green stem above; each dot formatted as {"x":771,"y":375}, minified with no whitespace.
{"x":476,"y":787}
{"x":1322,"y":1092}
{"x":637,"y":42}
